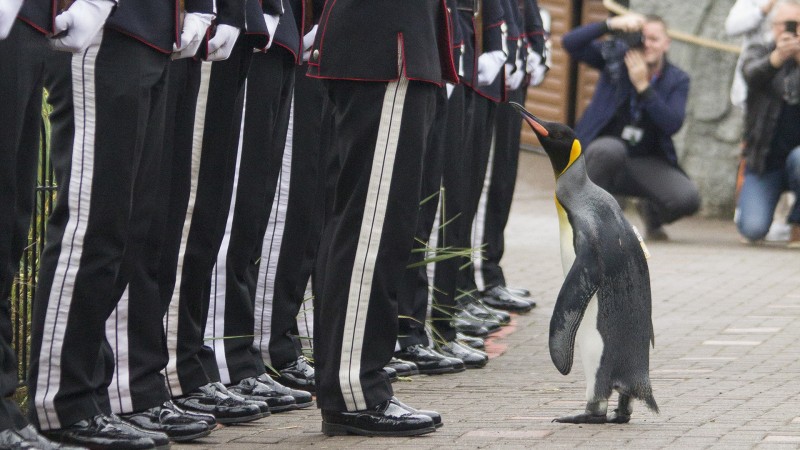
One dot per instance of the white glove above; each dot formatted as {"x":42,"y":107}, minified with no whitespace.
{"x":489,"y":66}
{"x":449,"y":87}
{"x":8,"y":13}
{"x":80,"y":24}
{"x":272,"y":25}
{"x":195,"y":26}
{"x":514,"y":75}
{"x":221,"y":45}
{"x":308,"y":42}
{"x":535,"y":68}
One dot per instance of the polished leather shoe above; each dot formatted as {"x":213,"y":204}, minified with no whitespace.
{"x":209,"y":399}
{"x":161,"y":440}
{"x":170,"y":420}
{"x":28,"y":437}
{"x":474,"y":342}
{"x":101,"y":432}
{"x":262,"y":405}
{"x":302,"y":399}
{"x":298,"y":375}
{"x":469,"y":328}
{"x":473,"y":359}
{"x":499,"y":297}
{"x":429,"y":361}
{"x":435,"y":416}
{"x":484,"y":312}
{"x":403,"y":368}
{"x":391,"y":373}
{"x":519,"y":292}
{"x":253,"y":389}
{"x":386,"y":419}
{"x":490,"y":324}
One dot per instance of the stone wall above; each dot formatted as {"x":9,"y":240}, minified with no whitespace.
{"x":708,"y":143}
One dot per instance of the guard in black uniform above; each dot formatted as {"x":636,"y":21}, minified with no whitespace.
{"x":382,"y":123}
{"x":24,"y":51}
{"x":104,"y":144}
{"x":525,"y":66}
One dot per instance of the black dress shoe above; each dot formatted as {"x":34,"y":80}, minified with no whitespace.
{"x":302,"y":399}
{"x":435,"y":416}
{"x":473,"y":342}
{"x":170,"y":420}
{"x":209,"y":399}
{"x":429,"y":361}
{"x":484,"y":312}
{"x":101,"y":432}
{"x":161,"y":440}
{"x":499,"y":297}
{"x":298,"y":375}
{"x":473,"y":359}
{"x":253,"y":389}
{"x":209,"y":419}
{"x":262,"y":405}
{"x":28,"y":437}
{"x":519,"y":292}
{"x":391,"y":373}
{"x":490,"y":324}
{"x":403,"y":368}
{"x":386,"y":419}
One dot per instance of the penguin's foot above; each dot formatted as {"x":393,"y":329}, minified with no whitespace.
{"x":582,"y":418}
{"x":618,"y":417}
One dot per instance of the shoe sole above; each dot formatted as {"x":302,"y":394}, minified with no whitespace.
{"x":442,"y":371}
{"x":284,"y":408}
{"x":190,"y":437}
{"x":331,"y":429}
{"x":304,"y":405}
{"x":237,"y":420}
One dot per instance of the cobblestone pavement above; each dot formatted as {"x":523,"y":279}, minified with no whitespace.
{"x":725,"y":368}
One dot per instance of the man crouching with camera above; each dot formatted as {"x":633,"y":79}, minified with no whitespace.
{"x":638,"y":104}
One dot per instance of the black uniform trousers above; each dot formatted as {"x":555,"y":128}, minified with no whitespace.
{"x":23,"y":54}
{"x":414,"y":292}
{"x":198,"y":225}
{"x":380,"y":134}
{"x":270,"y":82}
{"x":119,"y":96}
{"x":495,"y":205}
{"x":135,"y":329}
{"x":292,"y":237}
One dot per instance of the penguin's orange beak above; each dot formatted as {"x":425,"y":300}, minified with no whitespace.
{"x":532,"y":120}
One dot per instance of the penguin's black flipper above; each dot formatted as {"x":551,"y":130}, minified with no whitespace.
{"x":580,"y":285}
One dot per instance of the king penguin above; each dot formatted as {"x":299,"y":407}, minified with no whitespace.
{"x":604,"y":303}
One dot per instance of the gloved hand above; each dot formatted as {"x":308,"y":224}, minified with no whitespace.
{"x":514,"y":75}
{"x":221,"y":45}
{"x":8,"y":13}
{"x":308,"y":42}
{"x":272,"y":25}
{"x":489,"y":66}
{"x":76,"y":27}
{"x":536,"y":68}
{"x":195,"y":26}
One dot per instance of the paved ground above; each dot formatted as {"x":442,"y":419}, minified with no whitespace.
{"x":725,"y":369}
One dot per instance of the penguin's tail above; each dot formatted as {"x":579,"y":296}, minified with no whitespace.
{"x":651,"y":403}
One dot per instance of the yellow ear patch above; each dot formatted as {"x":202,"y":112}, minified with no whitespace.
{"x":574,"y":153}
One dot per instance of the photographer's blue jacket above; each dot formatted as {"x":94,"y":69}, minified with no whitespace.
{"x":663,"y":103}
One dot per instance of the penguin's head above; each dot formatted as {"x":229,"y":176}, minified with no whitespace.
{"x":558,"y":140}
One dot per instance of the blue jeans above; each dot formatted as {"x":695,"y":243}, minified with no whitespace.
{"x":760,"y":195}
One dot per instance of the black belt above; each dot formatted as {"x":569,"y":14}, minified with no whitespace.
{"x":468,"y":5}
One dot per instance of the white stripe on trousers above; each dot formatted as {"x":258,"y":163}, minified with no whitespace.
{"x":370,"y":233}
{"x":171,"y":318}
{"x":271,"y":249}
{"x":215,"y":321}
{"x":48,"y":380}
{"x":479,"y":222}
{"x":119,"y":392}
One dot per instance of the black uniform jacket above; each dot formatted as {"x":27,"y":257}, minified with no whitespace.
{"x":493,"y":30}
{"x":288,"y":33}
{"x":360,"y":40}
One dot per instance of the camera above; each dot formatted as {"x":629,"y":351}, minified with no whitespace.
{"x":633,"y":39}
{"x":791,"y":26}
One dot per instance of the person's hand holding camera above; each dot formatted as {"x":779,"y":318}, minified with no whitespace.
{"x":787,"y":46}
{"x":637,"y":70}
{"x":626,"y":23}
